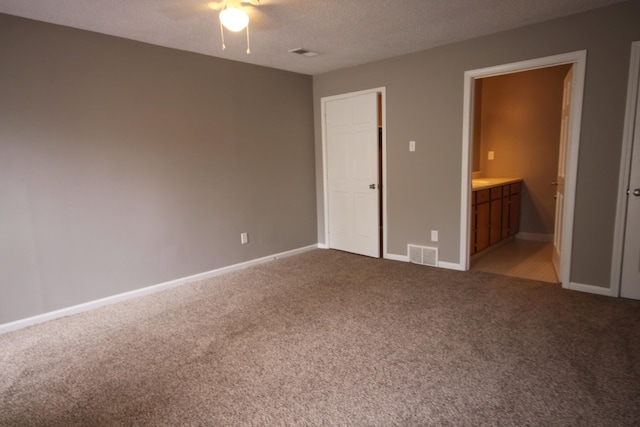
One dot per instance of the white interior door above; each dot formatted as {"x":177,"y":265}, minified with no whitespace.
{"x":352,"y":174}
{"x":562,"y":168}
{"x":630,"y":283}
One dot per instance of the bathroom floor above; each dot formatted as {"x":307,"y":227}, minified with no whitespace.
{"x":519,"y":258}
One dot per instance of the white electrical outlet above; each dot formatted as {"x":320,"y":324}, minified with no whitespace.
{"x":244,"y":238}
{"x":434,"y":235}
{"x":491,"y":155}
{"x":412,"y":146}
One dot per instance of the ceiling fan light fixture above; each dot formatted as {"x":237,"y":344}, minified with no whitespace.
{"x":234,"y":19}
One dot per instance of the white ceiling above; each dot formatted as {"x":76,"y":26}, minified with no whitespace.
{"x":346,"y":32}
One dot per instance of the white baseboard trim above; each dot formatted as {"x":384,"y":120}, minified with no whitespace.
{"x":394,"y":257}
{"x":450,"y":265}
{"x":30,"y":321}
{"x":591,"y":289}
{"x":323,"y":246}
{"x":441,"y":264}
{"x":538,"y":237}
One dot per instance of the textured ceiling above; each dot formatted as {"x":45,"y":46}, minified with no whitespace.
{"x":345,"y":32}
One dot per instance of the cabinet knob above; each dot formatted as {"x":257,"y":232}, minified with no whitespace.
{"x":372,"y":186}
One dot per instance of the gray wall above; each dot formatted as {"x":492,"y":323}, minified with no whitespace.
{"x":520,"y":122}
{"x":424,"y":103}
{"x":125,"y":165}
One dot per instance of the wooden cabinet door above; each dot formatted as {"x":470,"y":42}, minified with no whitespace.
{"x":514,"y":214}
{"x":482,"y":226}
{"x":495,"y":223}
{"x":495,"y":215}
{"x":472,"y":243}
{"x":504,"y":229}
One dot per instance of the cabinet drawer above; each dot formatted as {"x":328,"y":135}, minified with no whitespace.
{"x":515,"y":188}
{"x":496,"y":193}
{"x":482,"y":196}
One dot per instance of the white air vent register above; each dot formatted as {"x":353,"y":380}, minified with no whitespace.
{"x":423,"y":255}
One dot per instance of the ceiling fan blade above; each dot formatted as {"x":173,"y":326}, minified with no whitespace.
{"x":217,"y":5}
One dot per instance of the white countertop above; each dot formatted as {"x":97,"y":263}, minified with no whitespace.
{"x":482,"y":183}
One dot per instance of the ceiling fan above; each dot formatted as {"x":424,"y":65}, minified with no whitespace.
{"x":234,"y":17}
{"x":255,"y":11}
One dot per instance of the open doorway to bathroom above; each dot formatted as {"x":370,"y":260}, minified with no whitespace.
{"x":574,"y":64}
{"x":517,"y":134}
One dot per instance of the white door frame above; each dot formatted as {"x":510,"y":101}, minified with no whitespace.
{"x":579,"y":60}
{"x":625,"y":168}
{"x":325,"y":175}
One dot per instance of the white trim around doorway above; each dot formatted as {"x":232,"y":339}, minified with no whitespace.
{"x":625,"y":168}
{"x":579,"y":60}
{"x":325,"y":183}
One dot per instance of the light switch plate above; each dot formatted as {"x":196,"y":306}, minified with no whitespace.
{"x":412,"y":146}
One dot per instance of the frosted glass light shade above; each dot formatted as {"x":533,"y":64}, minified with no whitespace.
{"x":234,"y":19}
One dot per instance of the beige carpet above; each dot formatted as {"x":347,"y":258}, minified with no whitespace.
{"x":328,"y":338}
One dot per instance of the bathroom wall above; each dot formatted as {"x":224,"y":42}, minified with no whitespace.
{"x":520,"y":123}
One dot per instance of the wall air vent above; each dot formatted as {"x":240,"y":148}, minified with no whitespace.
{"x":303,"y":52}
{"x":423,"y":255}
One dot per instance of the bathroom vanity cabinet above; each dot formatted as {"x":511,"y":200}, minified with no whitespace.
{"x":495,"y":211}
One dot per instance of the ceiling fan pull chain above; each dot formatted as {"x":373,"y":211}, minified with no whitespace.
{"x":248,"y":42}
{"x":222,"y":35}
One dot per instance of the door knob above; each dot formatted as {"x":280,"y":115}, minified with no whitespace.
{"x":372,"y":186}
{"x":554,"y":182}
{"x":636,"y":192}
